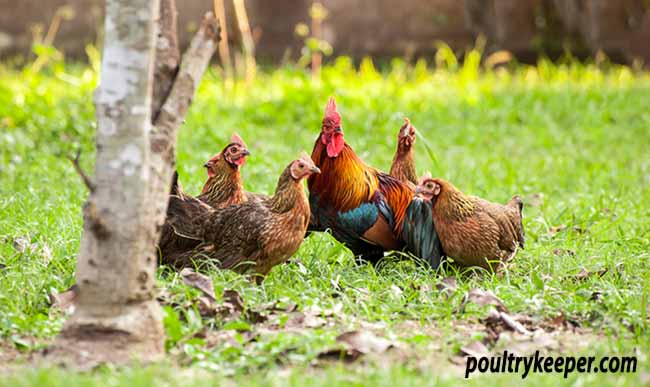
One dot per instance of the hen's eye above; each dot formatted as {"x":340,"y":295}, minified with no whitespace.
{"x":233,"y":150}
{"x":301,"y":165}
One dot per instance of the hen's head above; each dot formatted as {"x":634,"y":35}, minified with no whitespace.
{"x":303,"y":167}
{"x":331,"y":133}
{"x":406,"y":136}
{"x":428,"y":187}
{"x":234,"y":154}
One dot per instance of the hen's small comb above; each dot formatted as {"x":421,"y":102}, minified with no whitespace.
{"x":236,"y":139}
{"x":403,"y":130}
{"x":426,"y":176}
{"x":304,"y":156}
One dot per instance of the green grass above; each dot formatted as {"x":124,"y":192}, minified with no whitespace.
{"x":572,"y":139}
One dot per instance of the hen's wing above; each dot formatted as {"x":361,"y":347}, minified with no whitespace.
{"x":234,"y":236}
{"x":189,"y":216}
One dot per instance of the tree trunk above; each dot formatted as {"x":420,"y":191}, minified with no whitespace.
{"x":116,"y":315}
{"x":116,"y":318}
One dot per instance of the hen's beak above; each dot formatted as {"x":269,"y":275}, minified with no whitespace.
{"x":338,"y":129}
{"x":315,"y":169}
{"x":418,"y":190}
{"x":245,"y":152}
{"x":209,"y":164}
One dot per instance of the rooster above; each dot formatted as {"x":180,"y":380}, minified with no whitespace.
{"x":403,"y":166}
{"x":251,"y":237}
{"x":363,"y":207}
{"x":473,"y":231}
{"x":224,"y":187}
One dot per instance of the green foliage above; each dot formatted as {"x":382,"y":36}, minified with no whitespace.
{"x":572,"y":139}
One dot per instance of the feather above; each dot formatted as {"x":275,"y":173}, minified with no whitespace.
{"x":419,"y":232}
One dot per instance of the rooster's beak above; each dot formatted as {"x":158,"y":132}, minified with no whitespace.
{"x":338,"y":129}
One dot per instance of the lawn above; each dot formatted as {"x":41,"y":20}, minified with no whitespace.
{"x":572,"y":139}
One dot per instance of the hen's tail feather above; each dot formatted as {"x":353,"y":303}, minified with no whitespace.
{"x":186,"y":215}
{"x":175,"y":188}
{"x":419,"y":233}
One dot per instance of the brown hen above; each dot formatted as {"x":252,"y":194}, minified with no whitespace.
{"x":403,"y":167}
{"x":251,"y":237}
{"x":224,"y":187}
{"x":473,"y":231}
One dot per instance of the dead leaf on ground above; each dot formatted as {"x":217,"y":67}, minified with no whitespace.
{"x":233,"y":298}
{"x":560,"y":252}
{"x":311,"y":321}
{"x":524,"y":345}
{"x":556,"y":229}
{"x":206,"y":307}
{"x":46,"y":253}
{"x":214,"y":338}
{"x":447,"y":286}
{"x":198,"y":281}
{"x":365,"y":342}
{"x":347,"y":355}
{"x":579,"y":230}
{"x":65,"y":300}
{"x":475,"y":348}
{"x":496,"y":317}
{"x":585,"y":274}
{"x":22,"y":243}
{"x":484,"y":298}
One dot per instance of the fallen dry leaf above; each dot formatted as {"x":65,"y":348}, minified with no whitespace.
{"x":485,"y":298}
{"x":364,"y":342}
{"x":475,"y":348}
{"x":65,"y":300}
{"x":556,"y":229}
{"x":347,"y":355}
{"x":509,"y":322}
{"x":584,"y":274}
{"x":579,"y":230}
{"x":198,"y":281}
{"x":524,"y":345}
{"x":233,"y":298}
{"x":311,"y":321}
{"x":22,"y":243}
{"x":46,"y":253}
{"x":560,"y":252}
{"x":447,"y":286}
{"x":206,"y":306}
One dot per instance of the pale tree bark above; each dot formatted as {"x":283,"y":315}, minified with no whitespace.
{"x":248,"y":44}
{"x":116,"y":317}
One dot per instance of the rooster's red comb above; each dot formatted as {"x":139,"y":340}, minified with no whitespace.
{"x":330,"y":111}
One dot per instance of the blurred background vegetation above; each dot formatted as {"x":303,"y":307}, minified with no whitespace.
{"x":281,"y":29}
